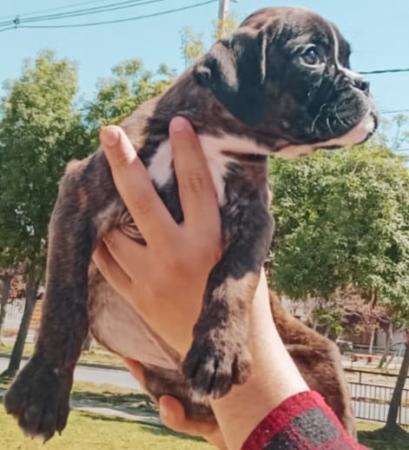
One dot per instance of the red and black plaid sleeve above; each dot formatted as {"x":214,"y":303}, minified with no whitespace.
{"x":302,"y":422}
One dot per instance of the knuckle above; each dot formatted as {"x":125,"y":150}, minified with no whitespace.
{"x":141,"y":204}
{"x":194,"y":182}
{"x":119,"y":158}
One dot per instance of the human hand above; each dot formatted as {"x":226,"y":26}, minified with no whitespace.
{"x":165,"y":280}
{"x":172,"y":414}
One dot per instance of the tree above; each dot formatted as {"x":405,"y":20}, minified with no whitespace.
{"x":226,"y":27}
{"x":343,"y":220}
{"x":6,"y":276}
{"x":391,"y":421}
{"x":192,"y":45}
{"x":118,"y":96}
{"x":39,"y":132}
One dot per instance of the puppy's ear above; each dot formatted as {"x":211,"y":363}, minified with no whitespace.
{"x":235,"y":70}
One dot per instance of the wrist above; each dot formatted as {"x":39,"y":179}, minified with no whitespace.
{"x":274,"y":378}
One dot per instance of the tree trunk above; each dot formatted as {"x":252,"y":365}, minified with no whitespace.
{"x":31,"y":296}
{"x":5,"y":293}
{"x":371,"y":343}
{"x":391,"y":422}
{"x":388,"y":344}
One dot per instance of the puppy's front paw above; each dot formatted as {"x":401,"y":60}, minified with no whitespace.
{"x":213,"y":365}
{"x":39,"y":399}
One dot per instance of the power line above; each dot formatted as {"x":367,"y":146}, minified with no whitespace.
{"x":91,"y":11}
{"x":57,"y":8}
{"x":18,"y":20}
{"x":107,"y":22}
{"x":395,"y":111}
{"x":383,"y":71}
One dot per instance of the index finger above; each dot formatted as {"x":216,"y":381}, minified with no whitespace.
{"x":196,"y":189}
{"x":136,"y":188}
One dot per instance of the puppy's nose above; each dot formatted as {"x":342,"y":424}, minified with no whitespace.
{"x":361,"y":84}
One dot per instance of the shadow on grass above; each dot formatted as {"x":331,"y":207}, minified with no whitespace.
{"x":128,"y":402}
{"x":157,"y":430}
{"x":382,"y":439}
{"x":140,"y":402}
{"x":162,"y":431}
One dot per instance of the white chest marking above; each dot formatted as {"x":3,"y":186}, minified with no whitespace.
{"x":160,"y":168}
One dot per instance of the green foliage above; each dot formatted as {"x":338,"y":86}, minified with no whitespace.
{"x":226,"y":27}
{"x":394,"y":132}
{"x":130,"y":86}
{"x":192,"y":46}
{"x":330,"y":319}
{"x":342,"y":218}
{"x":39,"y":133}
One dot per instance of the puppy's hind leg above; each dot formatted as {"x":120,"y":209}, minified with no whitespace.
{"x":39,"y":397}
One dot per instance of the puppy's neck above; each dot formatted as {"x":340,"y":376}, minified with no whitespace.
{"x":210,"y":118}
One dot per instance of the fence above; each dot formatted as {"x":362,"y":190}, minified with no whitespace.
{"x":371,"y":401}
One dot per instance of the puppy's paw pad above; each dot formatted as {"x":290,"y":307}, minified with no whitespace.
{"x":213,"y":368}
{"x":39,"y":400}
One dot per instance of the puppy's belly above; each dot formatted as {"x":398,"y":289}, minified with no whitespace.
{"x":116,"y":325}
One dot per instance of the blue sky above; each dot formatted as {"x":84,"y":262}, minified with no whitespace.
{"x":378,"y":31}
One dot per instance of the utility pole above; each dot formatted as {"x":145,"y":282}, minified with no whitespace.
{"x":224,"y":6}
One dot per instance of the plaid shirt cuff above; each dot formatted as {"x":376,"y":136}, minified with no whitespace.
{"x":301,"y":422}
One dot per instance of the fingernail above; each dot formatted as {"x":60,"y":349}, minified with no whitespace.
{"x":109,"y":136}
{"x":179,"y":124}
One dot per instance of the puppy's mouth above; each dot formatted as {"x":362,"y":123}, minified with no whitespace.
{"x":357,"y":135}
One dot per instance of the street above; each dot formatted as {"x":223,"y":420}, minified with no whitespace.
{"x":96,"y":375}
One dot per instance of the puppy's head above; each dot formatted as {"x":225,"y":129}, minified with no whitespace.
{"x":286,"y":73}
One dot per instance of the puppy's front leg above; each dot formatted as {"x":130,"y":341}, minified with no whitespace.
{"x":219,"y":356}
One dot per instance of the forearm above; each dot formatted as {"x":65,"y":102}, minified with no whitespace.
{"x":270,"y":383}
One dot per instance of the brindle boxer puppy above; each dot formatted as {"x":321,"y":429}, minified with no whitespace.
{"x":281,"y":85}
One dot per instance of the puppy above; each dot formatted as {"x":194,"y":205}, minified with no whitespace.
{"x":280,"y":85}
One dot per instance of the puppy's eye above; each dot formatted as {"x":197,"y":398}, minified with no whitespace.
{"x":310,"y":57}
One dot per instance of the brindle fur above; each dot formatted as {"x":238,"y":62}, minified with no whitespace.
{"x":254,"y":98}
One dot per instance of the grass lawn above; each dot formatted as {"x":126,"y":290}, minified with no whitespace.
{"x":372,"y":435}
{"x":86,"y":431}
{"x":93,"y":432}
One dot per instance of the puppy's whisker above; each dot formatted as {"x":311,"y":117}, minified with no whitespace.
{"x":314,"y":122}
{"x":338,"y":117}
{"x":328,"y":122}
